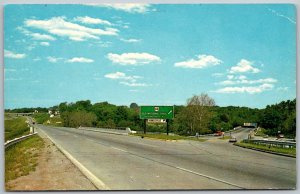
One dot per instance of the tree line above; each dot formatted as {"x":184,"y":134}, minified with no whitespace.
{"x":199,"y":115}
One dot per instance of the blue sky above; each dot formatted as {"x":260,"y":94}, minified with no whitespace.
{"x":240,"y":55}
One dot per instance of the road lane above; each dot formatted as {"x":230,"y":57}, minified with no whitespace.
{"x":126,"y":162}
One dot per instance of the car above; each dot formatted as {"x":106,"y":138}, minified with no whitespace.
{"x":219,"y":133}
{"x":232,"y":140}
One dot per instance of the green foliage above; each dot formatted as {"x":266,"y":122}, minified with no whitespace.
{"x":79,"y":118}
{"x":15,"y":128}
{"x":200,"y":115}
{"x":41,"y":118}
{"x":280,"y":117}
{"x":26,"y":110}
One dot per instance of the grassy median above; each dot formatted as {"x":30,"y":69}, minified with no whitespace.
{"x":289,"y":151}
{"x":168,"y":137}
{"x":22,"y":158}
{"x":15,"y":127}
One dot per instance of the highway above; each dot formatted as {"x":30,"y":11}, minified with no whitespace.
{"x":131,"y":163}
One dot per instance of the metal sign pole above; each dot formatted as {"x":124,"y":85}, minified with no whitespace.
{"x":167,"y":126}
{"x":145,"y":126}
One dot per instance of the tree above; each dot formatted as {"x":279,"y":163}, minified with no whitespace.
{"x":134,"y":105}
{"x":197,"y":114}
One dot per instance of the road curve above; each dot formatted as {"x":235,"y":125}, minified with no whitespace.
{"x":132,"y":163}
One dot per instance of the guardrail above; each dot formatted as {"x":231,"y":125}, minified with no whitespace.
{"x":117,"y":130}
{"x":272,"y":143}
{"x":16,"y":140}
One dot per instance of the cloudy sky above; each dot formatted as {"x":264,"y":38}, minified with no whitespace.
{"x":241,"y":55}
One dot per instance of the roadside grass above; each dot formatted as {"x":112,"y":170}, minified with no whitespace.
{"x":261,"y":132}
{"x":40,"y":118}
{"x":22,"y":158}
{"x":8,"y":116}
{"x":289,"y":151}
{"x":168,"y":137}
{"x":225,"y":138}
{"x":15,"y":128}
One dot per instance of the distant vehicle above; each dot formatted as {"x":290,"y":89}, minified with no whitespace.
{"x":280,"y":136}
{"x":232,"y":140}
{"x":219,"y":133}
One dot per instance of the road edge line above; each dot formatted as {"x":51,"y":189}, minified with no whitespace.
{"x":95,"y":180}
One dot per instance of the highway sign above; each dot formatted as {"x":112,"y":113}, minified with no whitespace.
{"x":156,"y":112}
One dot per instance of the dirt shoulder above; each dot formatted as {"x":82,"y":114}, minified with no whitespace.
{"x":53,"y":172}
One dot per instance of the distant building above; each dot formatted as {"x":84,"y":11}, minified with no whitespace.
{"x":250,"y":125}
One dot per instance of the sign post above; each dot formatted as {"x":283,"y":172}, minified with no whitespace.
{"x":156,"y":112}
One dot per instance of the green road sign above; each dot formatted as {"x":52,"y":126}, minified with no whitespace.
{"x":156,"y":112}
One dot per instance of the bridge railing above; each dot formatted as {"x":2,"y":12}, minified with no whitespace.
{"x":272,"y":143}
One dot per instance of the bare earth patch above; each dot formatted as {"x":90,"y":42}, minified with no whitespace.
{"x":53,"y":172}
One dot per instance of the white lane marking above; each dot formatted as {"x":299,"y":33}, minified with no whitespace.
{"x":147,"y":145}
{"x":209,"y":177}
{"x":118,"y":149}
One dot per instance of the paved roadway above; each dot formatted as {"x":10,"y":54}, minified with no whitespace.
{"x":132,"y":163}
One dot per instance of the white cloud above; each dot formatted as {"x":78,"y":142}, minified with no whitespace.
{"x":243,"y":80}
{"x":243,"y":89}
{"x":125,"y":79}
{"x":134,"y":84}
{"x":89,"y":20}
{"x":53,"y":59}
{"x":244,"y":66}
{"x":127,"y":7}
{"x":60,"y":27}
{"x":36,"y":36}
{"x":131,"y":40}
{"x":79,"y":60}
{"x":44,"y":43}
{"x":283,"y":16}
{"x":282,"y":88}
{"x":201,"y":62}
{"x":9,"y":70}
{"x":230,"y":76}
{"x":217,"y":74}
{"x":12,"y":55}
{"x":121,"y":76}
{"x":37,"y":59}
{"x":133,"y":58}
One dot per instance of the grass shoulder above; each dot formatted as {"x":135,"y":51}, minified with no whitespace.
{"x":289,"y":151}
{"x":15,"y":127}
{"x":168,"y":137}
{"x":22,"y":158}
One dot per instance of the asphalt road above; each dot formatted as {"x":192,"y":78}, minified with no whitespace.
{"x":132,"y":163}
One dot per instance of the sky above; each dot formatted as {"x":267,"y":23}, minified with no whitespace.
{"x":150,"y":54}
